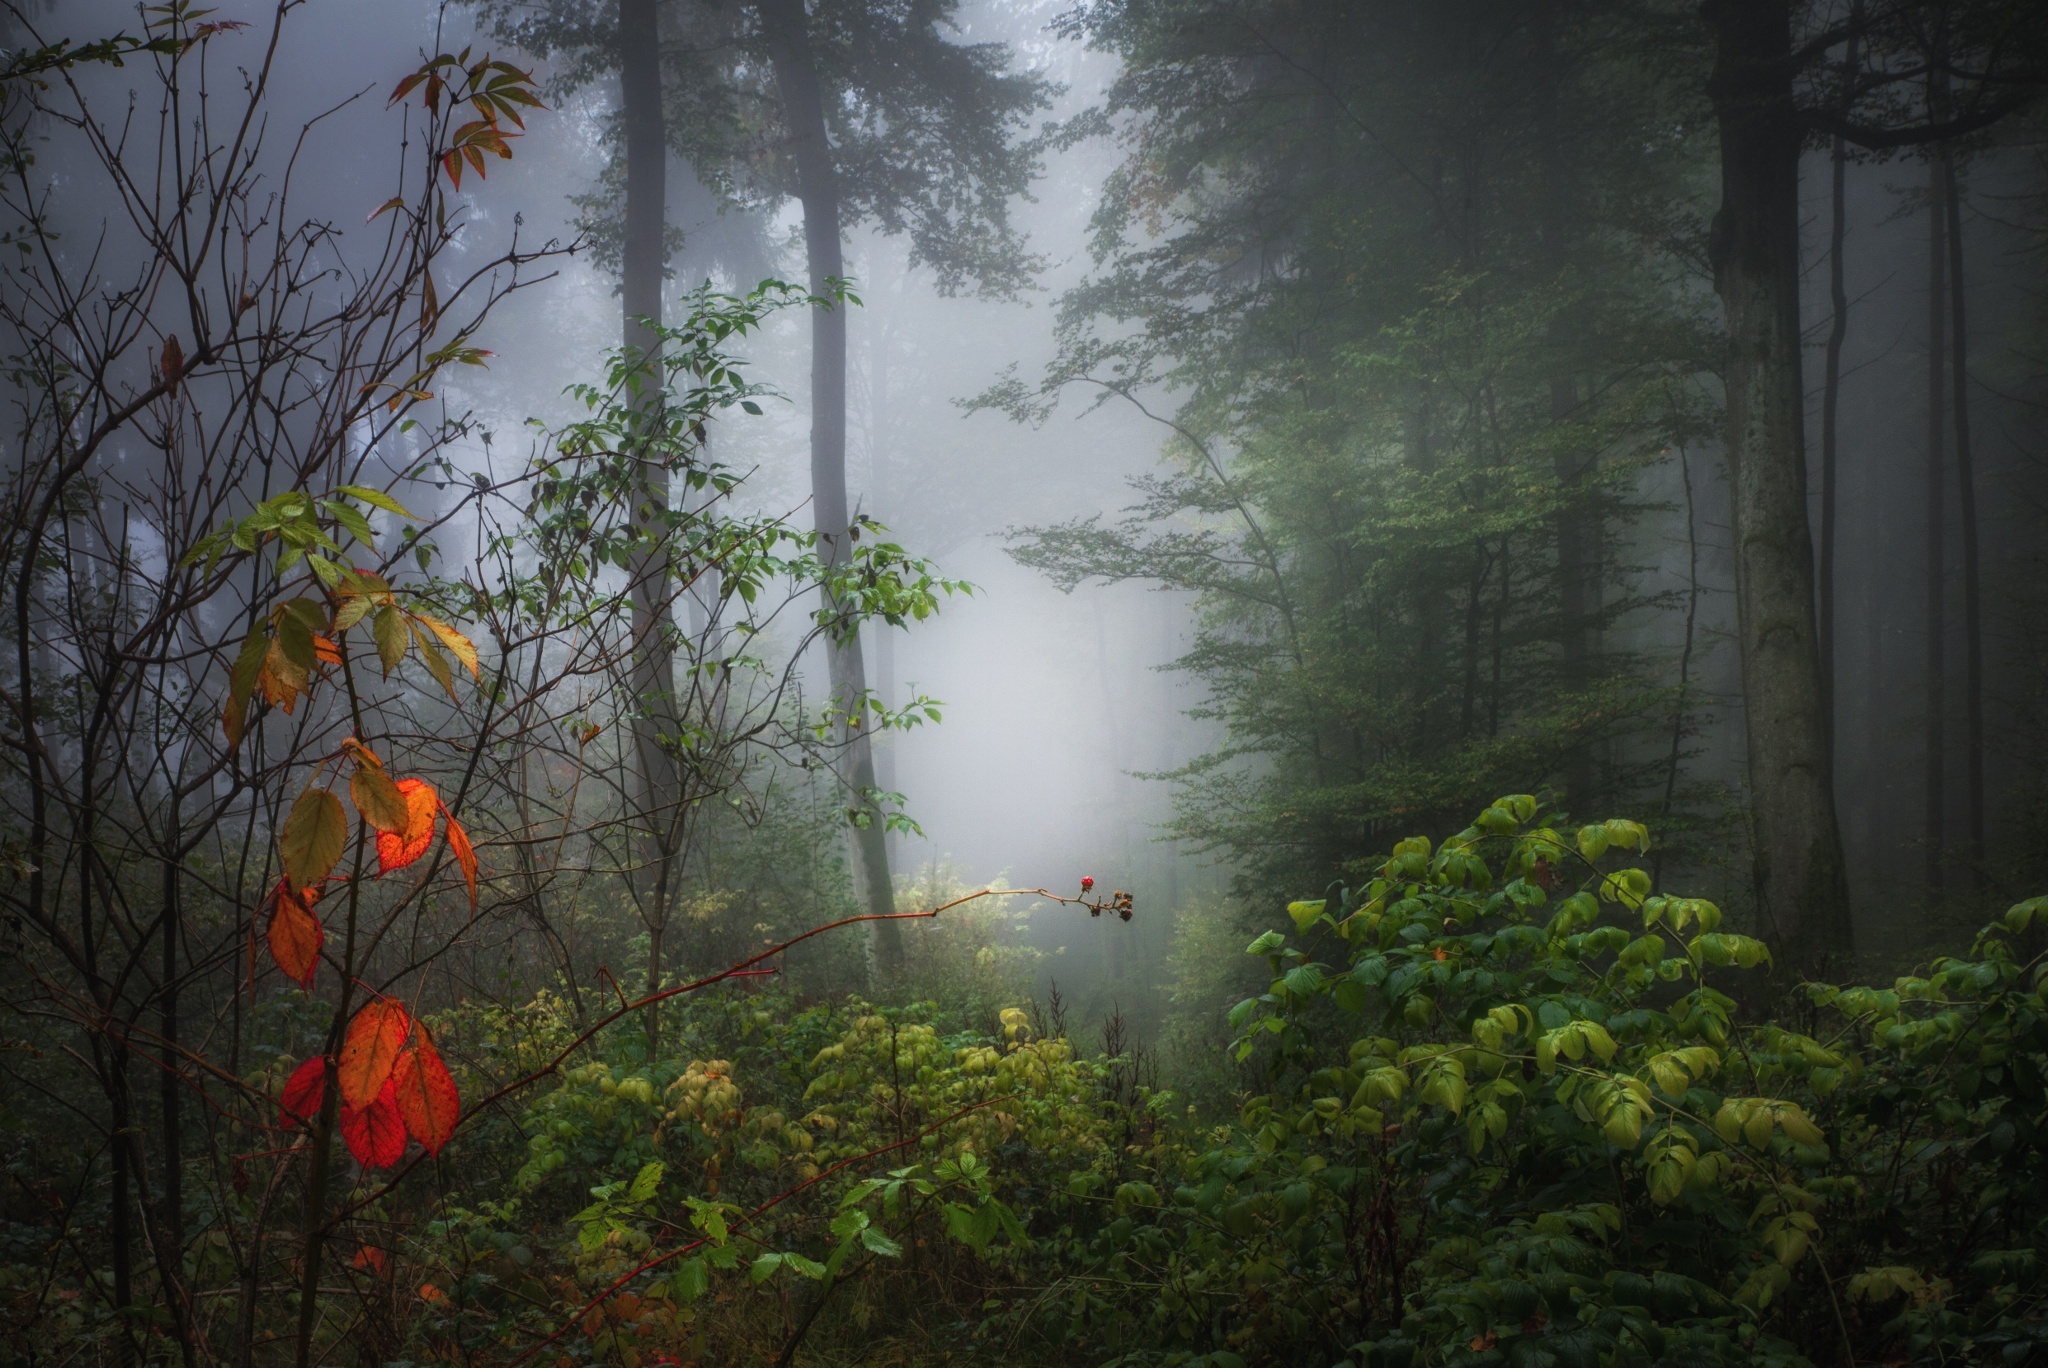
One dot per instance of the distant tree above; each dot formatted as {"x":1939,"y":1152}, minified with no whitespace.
{"x":1777,"y":82}
{"x":862,"y":112}
{"x":1405,"y":288}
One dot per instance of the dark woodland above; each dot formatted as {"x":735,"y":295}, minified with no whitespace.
{"x":1130,"y":683}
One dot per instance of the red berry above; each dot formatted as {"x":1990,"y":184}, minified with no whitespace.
{"x":1087,"y":882}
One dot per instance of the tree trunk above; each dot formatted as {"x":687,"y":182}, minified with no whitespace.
{"x":1801,"y":888}
{"x":1966,"y":482}
{"x":1831,"y":392}
{"x":171,"y":1208}
{"x":818,"y":189}
{"x":659,"y":795}
{"x":1578,"y":524}
{"x":1830,"y":410}
{"x":1935,"y":777}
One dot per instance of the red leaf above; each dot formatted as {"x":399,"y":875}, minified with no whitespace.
{"x":374,"y":1134}
{"x":295,"y":936}
{"x":372,"y":1258}
{"x":465,"y":856}
{"x":427,"y":1097}
{"x":396,"y":851}
{"x":374,"y":1039}
{"x":303,"y":1091}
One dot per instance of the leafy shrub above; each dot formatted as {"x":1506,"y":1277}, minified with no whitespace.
{"x":1514,"y":1118}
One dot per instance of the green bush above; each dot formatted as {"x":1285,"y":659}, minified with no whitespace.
{"x":1514,"y":1118}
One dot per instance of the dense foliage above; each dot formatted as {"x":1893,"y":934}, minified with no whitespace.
{"x":1416,"y":298}
{"x":1502,"y":1104}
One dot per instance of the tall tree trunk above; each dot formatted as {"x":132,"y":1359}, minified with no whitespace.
{"x":1578,"y":524}
{"x":1831,"y":391}
{"x":659,"y":779}
{"x":1935,"y":777}
{"x":1830,"y":410}
{"x":1966,"y":482}
{"x":1801,"y":887}
{"x":818,"y":188}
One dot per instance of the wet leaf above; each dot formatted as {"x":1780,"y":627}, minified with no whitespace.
{"x":426,"y":1095}
{"x":397,"y":849}
{"x":313,"y":837}
{"x":371,"y":1049}
{"x":375,"y":1134}
{"x":295,"y":935}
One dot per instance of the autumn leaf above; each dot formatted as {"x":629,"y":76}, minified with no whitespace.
{"x":397,"y":849}
{"x":378,"y":799}
{"x":465,"y":856}
{"x":377,"y":1260}
{"x":375,"y":1134}
{"x":389,"y":629}
{"x":460,"y":646}
{"x":427,"y":1096}
{"x":372,"y":1046}
{"x":303,"y":1091}
{"x":242,"y":682}
{"x":314,"y":834}
{"x":282,"y":680}
{"x":295,"y":934}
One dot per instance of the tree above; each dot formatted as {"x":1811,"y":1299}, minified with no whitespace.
{"x":861,"y":112}
{"x":1772,"y":89}
{"x":1383,"y":279}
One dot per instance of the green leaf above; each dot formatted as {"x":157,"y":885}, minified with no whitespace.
{"x":377,"y":498}
{"x":879,"y":1243}
{"x":690,"y":1281}
{"x":1305,"y":914}
{"x":389,"y":630}
{"x":645,"y":1182}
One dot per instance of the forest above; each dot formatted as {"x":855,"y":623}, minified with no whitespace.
{"x":1132,"y":683}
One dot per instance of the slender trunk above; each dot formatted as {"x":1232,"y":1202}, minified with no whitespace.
{"x":1935,"y":776}
{"x":1966,"y":481}
{"x":818,"y":188}
{"x":659,"y":793}
{"x":172,"y":1207}
{"x":1831,"y":395}
{"x":1692,"y":612}
{"x":1577,"y":525}
{"x":1801,"y":888}
{"x":320,"y":1154}
{"x":1830,"y":409}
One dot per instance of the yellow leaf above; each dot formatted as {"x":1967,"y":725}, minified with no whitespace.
{"x":378,"y":799}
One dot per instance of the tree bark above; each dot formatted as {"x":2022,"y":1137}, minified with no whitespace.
{"x":659,"y":795}
{"x":1579,"y":526}
{"x":1831,"y":389}
{"x":1966,"y":491}
{"x":1801,"y":887}
{"x":803,"y":107}
{"x":1935,"y":776}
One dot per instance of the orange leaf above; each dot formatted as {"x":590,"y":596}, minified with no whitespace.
{"x":295,"y":936}
{"x":303,"y":1091}
{"x":376,"y":1260}
{"x":397,"y":850}
{"x":374,"y":1134}
{"x":465,"y":855}
{"x":427,"y":1097}
{"x":374,"y":1039}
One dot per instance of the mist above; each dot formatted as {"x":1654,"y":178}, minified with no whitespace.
{"x":743,"y":609}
